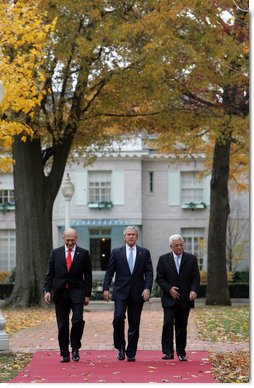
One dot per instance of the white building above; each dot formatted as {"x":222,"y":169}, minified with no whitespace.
{"x":134,"y":185}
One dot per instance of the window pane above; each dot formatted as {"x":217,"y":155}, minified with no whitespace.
{"x":99,"y":186}
{"x":7,"y":250}
{"x":191,"y":187}
{"x":194,"y":243}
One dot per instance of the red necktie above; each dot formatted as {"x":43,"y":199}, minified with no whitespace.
{"x":68,"y":259}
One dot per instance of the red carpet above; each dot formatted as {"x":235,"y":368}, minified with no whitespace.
{"x":97,"y":366}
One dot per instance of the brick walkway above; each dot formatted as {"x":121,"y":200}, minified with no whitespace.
{"x":98,"y":332}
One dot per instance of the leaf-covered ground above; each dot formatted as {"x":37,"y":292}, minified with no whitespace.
{"x":219,"y":324}
{"x":19,"y":319}
{"x":223,"y":324}
{"x":227,"y":325}
{"x":11,"y":365}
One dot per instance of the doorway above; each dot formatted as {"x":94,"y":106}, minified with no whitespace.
{"x":100,"y":248}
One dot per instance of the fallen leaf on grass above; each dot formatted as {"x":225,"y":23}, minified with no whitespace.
{"x":231,"y":367}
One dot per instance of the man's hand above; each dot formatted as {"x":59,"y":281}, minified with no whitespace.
{"x":86,"y":301}
{"x":146,"y":295}
{"x":174,"y":292}
{"x":47,"y":297}
{"x":106,"y":295}
{"x":193,"y":295}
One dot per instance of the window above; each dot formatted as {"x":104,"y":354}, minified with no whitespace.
{"x":6,"y":192}
{"x":192,"y":188}
{"x":7,"y":250}
{"x":99,"y":186}
{"x":6,"y":196}
{"x":194,"y":243}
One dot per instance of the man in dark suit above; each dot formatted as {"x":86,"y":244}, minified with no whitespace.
{"x":179,"y":278}
{"x":70,"y":270}
{"x":133,"y":282}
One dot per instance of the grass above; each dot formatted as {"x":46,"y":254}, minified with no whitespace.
{"x":226,"y":325}
{"x":214,"y":324}
{"x":223,"y":324}
{"x":11,"y":365}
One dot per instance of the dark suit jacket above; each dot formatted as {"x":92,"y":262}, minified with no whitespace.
{"x":187,"y":280}
{"x":127,"y":284}
{"x":79,"y":278}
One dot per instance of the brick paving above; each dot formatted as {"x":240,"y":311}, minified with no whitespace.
{"x":98,"y":332}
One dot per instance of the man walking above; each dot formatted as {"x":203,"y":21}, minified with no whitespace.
{"x":178,"y":276}
{"x":133,"y":271}
{"x":70,"y":270}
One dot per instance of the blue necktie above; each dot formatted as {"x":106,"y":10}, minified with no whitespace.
{"x":130,"y":259}
{"x":177,"y":263}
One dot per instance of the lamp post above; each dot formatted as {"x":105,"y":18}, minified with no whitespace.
{"x":68,"y":190}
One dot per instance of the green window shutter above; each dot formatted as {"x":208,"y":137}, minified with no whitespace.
{"x":117,"y":189}
{"x":81,"y":188}
{"x":174,"y":188}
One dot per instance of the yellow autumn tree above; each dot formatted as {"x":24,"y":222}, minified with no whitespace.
{"x":22,"y":38}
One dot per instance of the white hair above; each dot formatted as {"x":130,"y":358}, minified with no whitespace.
{"x":175,"y":237}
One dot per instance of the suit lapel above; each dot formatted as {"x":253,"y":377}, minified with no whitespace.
{"x":183,"y":260}
{"x":76,"y":254}
{"x":171,"y":262}
{"x":63,"y":257}
{"x":138,"y":257}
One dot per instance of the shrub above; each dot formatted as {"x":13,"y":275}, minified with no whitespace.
{"x":3,"y":276}
{"x":203,"y":277}
{"x":236,"y":290}
{"x":241,"y":277}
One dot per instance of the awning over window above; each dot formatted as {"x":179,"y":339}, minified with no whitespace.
{"x":105,"y":222}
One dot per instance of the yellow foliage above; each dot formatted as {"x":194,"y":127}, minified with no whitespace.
{"x":23,"y":35}
{"x":3,"y":276}
{"x":203,"y":276}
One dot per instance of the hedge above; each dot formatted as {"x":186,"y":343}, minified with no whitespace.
{"x":6,"y":290}
{"x":236,"y":290}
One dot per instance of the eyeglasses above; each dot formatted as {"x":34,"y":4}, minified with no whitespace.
{"x":178,"y":245}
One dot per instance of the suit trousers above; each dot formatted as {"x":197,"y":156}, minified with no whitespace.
{"x":134,"y":313}
{"x":175,"y":319}
{"x":63,"y":307}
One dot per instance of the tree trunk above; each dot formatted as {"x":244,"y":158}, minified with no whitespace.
{"x":217,"y":285}
{"x":34,"y":198}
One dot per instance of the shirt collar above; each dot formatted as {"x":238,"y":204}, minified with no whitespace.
{"x":73,"y":249}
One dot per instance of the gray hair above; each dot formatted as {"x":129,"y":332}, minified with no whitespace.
{"x":175,"y":237}
{"x":128,"y":228}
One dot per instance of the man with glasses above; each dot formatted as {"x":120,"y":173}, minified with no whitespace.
{"x":179,"y":278}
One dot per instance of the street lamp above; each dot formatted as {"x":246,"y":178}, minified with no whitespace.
{"x":68,"y":190}
{"x":4,"y":338}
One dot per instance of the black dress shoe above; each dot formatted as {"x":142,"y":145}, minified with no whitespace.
{"x":182,"y":357}
{"x":168,"y":356}
{"x":75,"y":355}
{"x":121,"y":355}
{"x":131,"y":359}
{"x":65,"y":359}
